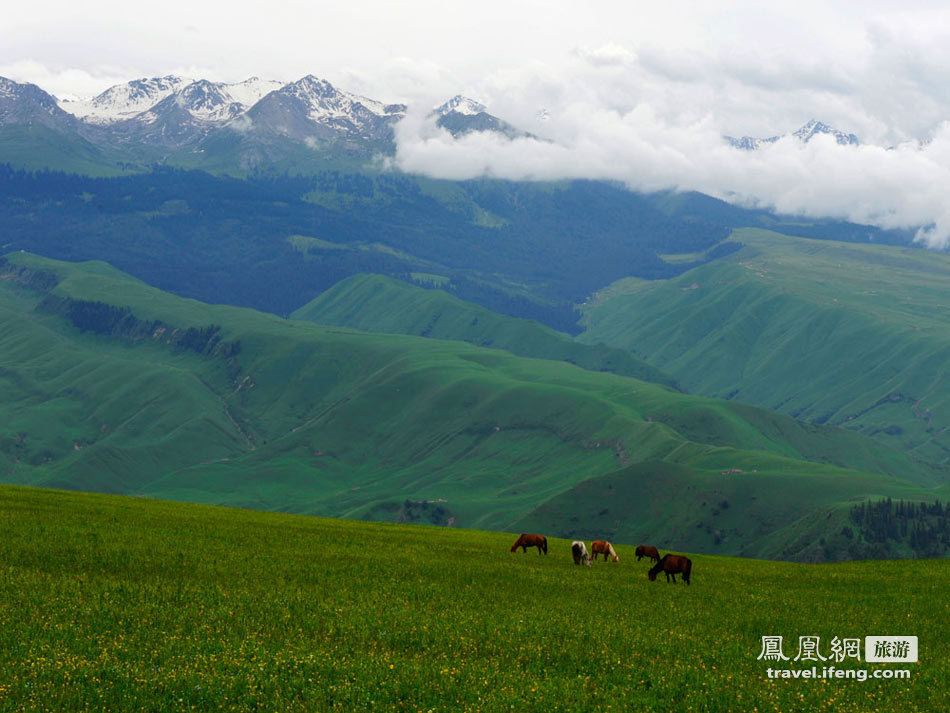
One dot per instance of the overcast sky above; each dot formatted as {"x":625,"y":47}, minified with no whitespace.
{"x":638,"y":92}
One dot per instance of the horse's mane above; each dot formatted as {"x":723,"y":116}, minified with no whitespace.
{"x":658,"y":567}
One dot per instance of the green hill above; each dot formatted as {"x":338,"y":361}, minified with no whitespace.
{"x":836,"y":333}
{"x":111,"y":385}
{"x":110,"y":603}
{"x":36,"y":147}
{"x":375,"y":303}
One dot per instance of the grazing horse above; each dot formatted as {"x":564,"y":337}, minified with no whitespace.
{"x":579,"y":550}
{"x":602,"y":547}
{"x":526,"y":541}
{"x":647,"y":551}
{"x":670,"y":565}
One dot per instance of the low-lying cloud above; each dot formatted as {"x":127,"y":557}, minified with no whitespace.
{"x":655,"y":123}
{"x":900,"y":187}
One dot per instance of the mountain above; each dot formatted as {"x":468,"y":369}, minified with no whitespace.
{"x":274,"y":243}
{"x":28,"y":105}
{"x":855,"y":335}
{"x":191,"y":112}
{"x":805,"y":134}
{"x":35,"y":134}
{"x":113,"y":386}
{"x":375,"y":303}
{"x":143,"y":98}
{"x":461,"y":115}
{"x":124,"y":101}
{"x":305,"y":126}
{"x":231,"y":127}
{"x":312,"y":109}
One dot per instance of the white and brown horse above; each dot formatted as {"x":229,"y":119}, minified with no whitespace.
{"x":602,"y":547}
{"x":579,"y":550}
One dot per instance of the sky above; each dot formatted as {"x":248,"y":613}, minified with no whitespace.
{"x":640,"y":93}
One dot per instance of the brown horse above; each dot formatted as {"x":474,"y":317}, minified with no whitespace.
{"x":671,"y":565}
{"x":602,"y":547}
{"x":647,"y":551}
{"x":526,"y":541}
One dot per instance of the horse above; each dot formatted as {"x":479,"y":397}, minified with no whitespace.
{"x":647,"y":551}
{"x":579,"y":550}
{"x":602,"y":547}
{"x":526,"y":541}
{"x":670,"y":565}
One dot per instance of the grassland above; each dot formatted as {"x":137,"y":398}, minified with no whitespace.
{"x":36,"y":147}
{"x":109,"y":385}
{"x":375,"y":303}
{"x":839,"y":333}
{"x":115,"y":604}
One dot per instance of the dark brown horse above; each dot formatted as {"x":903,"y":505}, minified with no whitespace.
{"x":647,"y":551}
{"x":671,"y":565}
{"x":526,"y":541}
{"x":602,"y":547}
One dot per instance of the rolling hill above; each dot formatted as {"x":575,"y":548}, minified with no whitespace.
{"x":111,"y":385}
{"x":376,"y":303}
{"x":852,"y":335}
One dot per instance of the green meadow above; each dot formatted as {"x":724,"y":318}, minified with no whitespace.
{"x":855,"y":335}
{"x":112,"y":603}
{"x":376,"y":303}
{"x":110,"y":385}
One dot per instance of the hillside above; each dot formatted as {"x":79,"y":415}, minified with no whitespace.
{"x":111,"y":385}
{"x":112,"y":603}
{"x":375,"y":303}
{"x":275,"y":242}
{"x":851,"y":335}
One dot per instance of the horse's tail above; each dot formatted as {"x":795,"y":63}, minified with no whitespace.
{"x":687,"y":569}
{"x":544,"y":543}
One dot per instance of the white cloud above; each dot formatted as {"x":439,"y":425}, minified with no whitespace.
{"x":901,"y":187}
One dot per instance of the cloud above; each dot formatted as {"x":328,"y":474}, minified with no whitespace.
{"x":65,"y":82}
{"x":655,"y":121}
{"x":609,"y":55}
{"x":901,"y":187}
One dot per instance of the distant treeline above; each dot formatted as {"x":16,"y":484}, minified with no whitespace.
{"x":923,"y":527}
{"x":524,"y":249}
{"x":120,"y":322}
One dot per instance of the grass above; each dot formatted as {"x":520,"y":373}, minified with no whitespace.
{"x":331,"y":421}
{"x":36,"y":148}
{"x":847,"y":334}
{"x":115,"y":604}
{"x":375,"y":303}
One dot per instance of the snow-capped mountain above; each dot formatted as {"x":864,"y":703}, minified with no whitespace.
{"x":124,"y":101}
{"x":313,"y":109}
{"x":27,"y":104}
{"x":251,"y":90}
{"x":461,"y":105}
{"x":249,"y":124}
{"x":805,"y":134}
{"x":140,"y":98}
{"x":201,"y":100}
{"x":814,"y":127}
{"x":461,"y":115}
